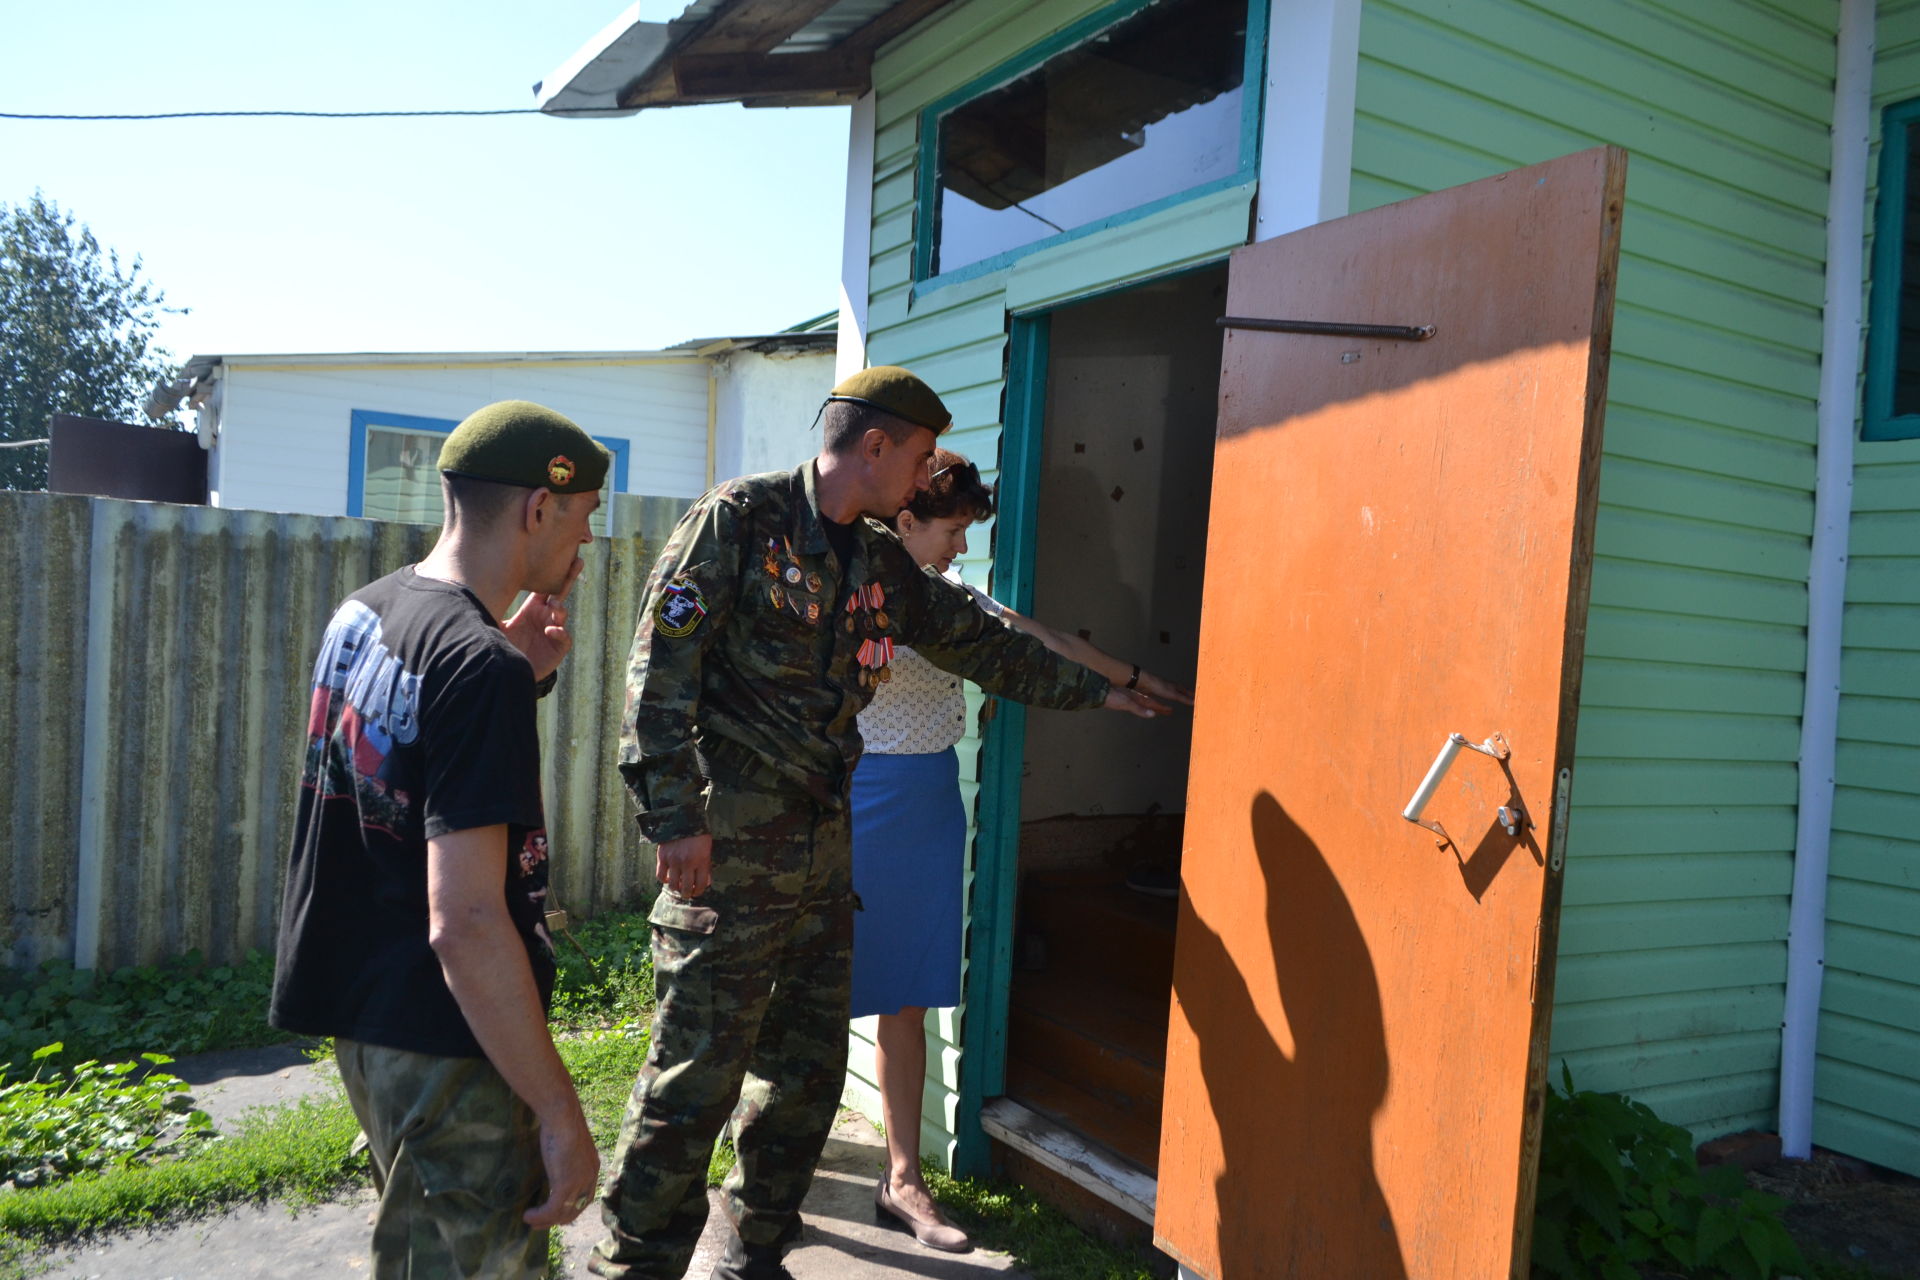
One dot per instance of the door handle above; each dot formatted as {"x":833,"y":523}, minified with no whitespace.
{"x":1496,"y":746}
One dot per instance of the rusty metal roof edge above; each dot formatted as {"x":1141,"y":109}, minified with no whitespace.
{"x":606,"y":69}
{"x":594,"y":79}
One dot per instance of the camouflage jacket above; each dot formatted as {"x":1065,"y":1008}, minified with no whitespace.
{"x":755,"y":652}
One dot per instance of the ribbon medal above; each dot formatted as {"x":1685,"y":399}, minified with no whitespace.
{"x":877,"y":651}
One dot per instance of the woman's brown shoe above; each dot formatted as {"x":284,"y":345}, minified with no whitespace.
{"x":935,"y":1233}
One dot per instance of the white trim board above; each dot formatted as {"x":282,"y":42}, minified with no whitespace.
{"x":1306,"y":131}
{"x":1089,"y":1167}
{"x":856,"y":245}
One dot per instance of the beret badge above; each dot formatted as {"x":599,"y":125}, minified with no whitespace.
{"x":560,"y":469}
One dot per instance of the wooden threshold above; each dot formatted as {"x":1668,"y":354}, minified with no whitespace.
{"x":1068,"y":1154}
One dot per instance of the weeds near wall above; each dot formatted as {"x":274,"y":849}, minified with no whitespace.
{"x":56,"y":1124}
{"x":180,"y":1007}
{"x":612,"y":989}
{"x":1620,"y":1190}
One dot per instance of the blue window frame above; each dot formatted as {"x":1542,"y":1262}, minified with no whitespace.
{"x":1110,"y":23}
{"x":1892,"y":407}
{"x":383,"y":449}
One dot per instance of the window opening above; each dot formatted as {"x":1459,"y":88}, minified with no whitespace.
{"x":1149,"y":108}
{"x":1892,"y":410}
{"x":396,"y":474}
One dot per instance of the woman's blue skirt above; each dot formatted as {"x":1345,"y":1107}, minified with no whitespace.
{"x":909,"y":849}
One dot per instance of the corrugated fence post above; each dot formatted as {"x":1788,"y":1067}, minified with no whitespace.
{"x":95,"y":757}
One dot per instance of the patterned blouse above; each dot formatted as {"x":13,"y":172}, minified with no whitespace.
{"x":922,"y":709}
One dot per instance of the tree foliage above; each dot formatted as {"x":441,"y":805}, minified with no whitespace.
{"x":76,"y":332}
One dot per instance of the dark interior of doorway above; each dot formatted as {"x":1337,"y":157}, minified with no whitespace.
{"x":1127,"y":449}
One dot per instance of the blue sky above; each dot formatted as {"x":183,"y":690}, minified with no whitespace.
{"x":508,"y":233}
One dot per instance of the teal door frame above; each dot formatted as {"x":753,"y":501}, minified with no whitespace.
{"x":996,"y":876}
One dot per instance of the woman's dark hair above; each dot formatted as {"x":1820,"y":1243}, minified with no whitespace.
{"x":956,"y":490}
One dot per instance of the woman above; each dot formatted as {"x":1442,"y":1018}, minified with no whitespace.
{"x":909,"y":842}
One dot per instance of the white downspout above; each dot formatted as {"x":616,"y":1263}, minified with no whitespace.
{"x":1827,"y":572}
{"x":856,"y":244}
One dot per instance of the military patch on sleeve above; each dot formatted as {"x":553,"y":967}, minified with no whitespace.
{"x":682,"y":608}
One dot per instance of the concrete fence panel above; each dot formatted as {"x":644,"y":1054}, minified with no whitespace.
{"x":155,"y":691}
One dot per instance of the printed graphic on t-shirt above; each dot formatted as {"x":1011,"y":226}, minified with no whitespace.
{"x":533,"y":877}
{"x":365,"y":703}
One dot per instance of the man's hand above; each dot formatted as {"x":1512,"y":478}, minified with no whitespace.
{"x":538,"y":628}
{"x":1134,"y":702}
{"x":685,"y":865}
{"x":1165,"y":690}
{"x":573,"y":1169}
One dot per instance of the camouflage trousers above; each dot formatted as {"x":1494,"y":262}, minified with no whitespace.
{"x":456,"y":1160}
{"x":751,"y":980}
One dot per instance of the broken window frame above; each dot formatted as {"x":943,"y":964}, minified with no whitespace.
{"x":1897,"y":202}
{"x":927,"y":187}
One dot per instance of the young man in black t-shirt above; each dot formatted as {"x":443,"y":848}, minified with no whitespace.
{"x":413,"y":927}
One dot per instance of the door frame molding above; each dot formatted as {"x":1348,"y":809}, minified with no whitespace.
{"x":996,"y":874}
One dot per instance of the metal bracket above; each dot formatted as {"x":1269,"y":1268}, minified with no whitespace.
{"x":1511,"y":817}
{"x":1562,"y":802}
{"x":1332,"y":329}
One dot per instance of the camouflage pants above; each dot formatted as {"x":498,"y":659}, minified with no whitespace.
{"x":456,"y":1160}
{"x":752,"y":983}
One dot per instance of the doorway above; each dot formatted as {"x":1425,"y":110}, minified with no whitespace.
{"x":1121,"y":474}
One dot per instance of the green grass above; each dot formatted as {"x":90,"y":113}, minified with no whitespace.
{"x":615,"y":985}
{"x":1008,"y":1218}
{"x":298,"y":1152}
{"x":603,"y":1065}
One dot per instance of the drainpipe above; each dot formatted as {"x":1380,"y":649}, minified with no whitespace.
{"x":1827,"y":572}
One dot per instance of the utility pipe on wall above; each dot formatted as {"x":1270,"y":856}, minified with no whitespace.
{"x":1827,"y":572}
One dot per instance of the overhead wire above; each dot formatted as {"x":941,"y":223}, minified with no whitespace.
{"x":309,"y":115}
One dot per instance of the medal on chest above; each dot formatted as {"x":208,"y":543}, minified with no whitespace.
{"x":786,"y":579}
{"x":867,"y":615}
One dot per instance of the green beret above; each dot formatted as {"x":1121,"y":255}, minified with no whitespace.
{"x":891,"y":389}
{"x":519,"y":442}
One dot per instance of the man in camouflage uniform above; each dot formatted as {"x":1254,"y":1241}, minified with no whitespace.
{"x":767,"y":624}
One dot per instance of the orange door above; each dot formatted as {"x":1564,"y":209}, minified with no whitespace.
{"x":1399,"y":550}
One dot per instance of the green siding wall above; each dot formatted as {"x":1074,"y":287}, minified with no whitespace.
{"x":955,"y":335}
{"x":1867,"y":1082}
{"x":1673,"y":939}
{"x":1672,"y":951}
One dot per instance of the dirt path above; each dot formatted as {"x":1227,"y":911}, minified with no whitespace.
{"x":271,"y":1242}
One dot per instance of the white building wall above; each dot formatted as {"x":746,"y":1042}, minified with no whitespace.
{"x":285,"y":429}
{"x":765,"y":404}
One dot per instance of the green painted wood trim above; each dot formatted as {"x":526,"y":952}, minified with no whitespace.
{"x":996,"y":878}
{"x":1878,"y":421}
{"x":927,"y":200}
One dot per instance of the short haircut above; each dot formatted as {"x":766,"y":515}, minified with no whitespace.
{"x":478,"y":503}
{"x":956,"y":490}
{"x":847,"y":423}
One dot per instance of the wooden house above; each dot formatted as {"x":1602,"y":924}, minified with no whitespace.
{"x":1042,"y":200}
{"x":356,"y":433}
